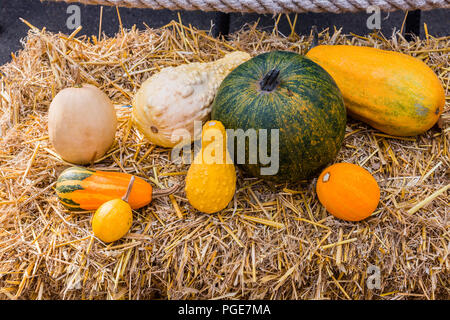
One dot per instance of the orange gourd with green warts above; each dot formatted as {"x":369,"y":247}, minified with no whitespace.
{"x":348,"y":191}
{"x":391,"y":91}
{"x":211,"y":178}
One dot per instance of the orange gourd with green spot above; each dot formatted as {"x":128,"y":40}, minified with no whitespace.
{"x":211,"y":178}
{"x":348,"y":191}
{"x":391,"y":91}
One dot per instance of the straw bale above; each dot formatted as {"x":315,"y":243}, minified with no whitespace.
{"x":272,"y":242}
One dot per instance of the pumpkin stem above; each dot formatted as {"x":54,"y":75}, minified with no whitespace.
{"x":165,"y":192}
{"x":270,"y":80}
{"x":130,"y":185}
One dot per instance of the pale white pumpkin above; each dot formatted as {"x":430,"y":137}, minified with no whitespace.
{"x":168,"y":103}
{"x":82,"y":124}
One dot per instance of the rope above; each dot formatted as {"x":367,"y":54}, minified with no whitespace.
{"x":274,"y":6}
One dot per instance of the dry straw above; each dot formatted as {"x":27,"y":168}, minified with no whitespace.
{"x":272,"y":242}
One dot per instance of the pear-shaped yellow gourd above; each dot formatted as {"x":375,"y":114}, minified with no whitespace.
{"x":113,"y":219}
{"x":211,"y":178}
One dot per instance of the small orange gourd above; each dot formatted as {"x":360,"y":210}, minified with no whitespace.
{"x":113,"y":219}
{"x":211,"y":178}
{"x":348,"y":191}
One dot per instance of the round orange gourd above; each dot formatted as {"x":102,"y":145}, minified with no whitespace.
{"x":348,"y":191}
{"x":83,"y":189}
{"x":113,"y":219}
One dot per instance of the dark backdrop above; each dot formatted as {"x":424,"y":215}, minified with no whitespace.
{"x":53,"y":16}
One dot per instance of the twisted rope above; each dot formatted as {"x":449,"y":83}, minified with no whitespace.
{"x":274,"y":6}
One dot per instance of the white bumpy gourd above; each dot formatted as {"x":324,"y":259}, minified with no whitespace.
{"x":168,"y":103}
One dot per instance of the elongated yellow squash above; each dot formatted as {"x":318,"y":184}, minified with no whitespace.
{"x":391,"y":91}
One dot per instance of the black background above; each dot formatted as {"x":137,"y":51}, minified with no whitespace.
{"x":53,"y":16}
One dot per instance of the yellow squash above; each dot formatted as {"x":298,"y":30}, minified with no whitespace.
{"x":211,"y":178}
{"x":391,"y":91}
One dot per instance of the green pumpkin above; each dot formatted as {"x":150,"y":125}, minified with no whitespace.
{"x":286,"y":91}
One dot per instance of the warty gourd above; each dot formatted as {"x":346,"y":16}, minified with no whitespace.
{"x":168,"y":103}
{"x":211,"y":178}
